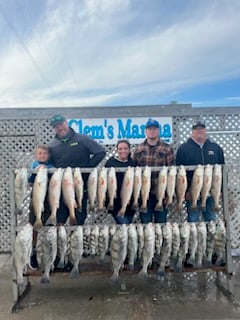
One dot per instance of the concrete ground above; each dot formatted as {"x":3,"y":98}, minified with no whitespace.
{"x":189,"y":295}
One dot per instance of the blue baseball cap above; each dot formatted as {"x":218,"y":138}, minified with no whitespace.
{"x":56,"y":119}
{"x":152,"y":123}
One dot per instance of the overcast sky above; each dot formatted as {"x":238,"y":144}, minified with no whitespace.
{"x":56,"y":53}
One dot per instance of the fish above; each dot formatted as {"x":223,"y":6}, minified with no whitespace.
{"x":103,"y":242}
{"x":62,"y":246}
{"x":181,"y":187}
{"x":175,"y":245}
{"x":111,"y":187}
{"x":112,"y":229}
{"x":92,"y":188}
{"x":69,"y":194}
{"x":140,"y":234}
{"x":161,"y":188}
{"x":196,"y":185}
{"x":20,"y":188}
{"x":39,"y":194}
{"x":184,"y":242}
{"x":207,"y":183}
{"x":146,"y":186}
{"x":94,"y":240}
{"x":118,"y":250}
{"x":126,"y":190}
{"x":220,"y":243}
{"x":47,"y":237}
{"x":76,"y":250}
{"x":137,"y":185}
{"x":216,"y":185}
{"x":202,"y":243}
{"x":148,"y":249}
{"x":211,"y":231}
{"x":158,"y":238}
{"x":171,"y":184}
{"x":102,"y":188}
{"x":78,"y":186}
{"x":86,"y":240}
{"x":22,"y":252}
{"x":132,"y":246}
{"x":54,"y":193}
{"x":166,"y":248}
{"x":193,"y":244}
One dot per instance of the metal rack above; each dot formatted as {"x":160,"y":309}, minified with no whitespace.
{"x":224,"y":277}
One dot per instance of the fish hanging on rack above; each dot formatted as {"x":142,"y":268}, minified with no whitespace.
{"x":38,"y":195}
{"x":54,"y":193}
{"x":20,"y":188}
{"x":22,"y":251}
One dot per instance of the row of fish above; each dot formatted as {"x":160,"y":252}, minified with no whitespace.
{"x":172,"y":181}
{"x":189,"y":243}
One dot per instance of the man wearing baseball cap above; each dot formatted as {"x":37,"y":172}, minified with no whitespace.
{"x":71,"y":149}
{"x":153,"y":152}
{"x":199,"y":149}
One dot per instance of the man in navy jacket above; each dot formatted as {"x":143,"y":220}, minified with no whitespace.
{"x":198,"y":149}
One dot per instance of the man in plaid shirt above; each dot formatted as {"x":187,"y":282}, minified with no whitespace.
{"x":154,"y":153}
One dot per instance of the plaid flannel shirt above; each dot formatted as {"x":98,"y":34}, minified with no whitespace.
{"x":154,"y":156}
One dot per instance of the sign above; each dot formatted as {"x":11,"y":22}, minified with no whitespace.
{"x":110,"y":130}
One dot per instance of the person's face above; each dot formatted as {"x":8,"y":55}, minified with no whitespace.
{"x":199,"y":134}
{"x":123,"y":151}
{"x":42,"y":155}
{"x":152,"y":133}
{"x":61,"y":129}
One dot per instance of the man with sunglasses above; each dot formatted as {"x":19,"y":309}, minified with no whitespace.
{"x":71,"y":149}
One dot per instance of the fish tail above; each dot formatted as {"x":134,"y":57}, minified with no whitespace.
{"x":38,"y":224}
{"x":51,"y":221}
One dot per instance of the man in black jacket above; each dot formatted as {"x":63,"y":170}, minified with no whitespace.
{"x":199,"y":150}
{"x":71,"y":149}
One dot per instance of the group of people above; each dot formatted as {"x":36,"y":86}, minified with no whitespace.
{"x":69,"y":148}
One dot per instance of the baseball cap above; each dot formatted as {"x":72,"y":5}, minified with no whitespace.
{"x":152,"y":123}
{"x":198,"y":124}
{"x":56,"y":119}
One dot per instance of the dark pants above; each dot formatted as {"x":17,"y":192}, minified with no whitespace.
{"x":152,"y":215}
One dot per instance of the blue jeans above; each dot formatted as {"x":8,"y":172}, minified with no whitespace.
{"x":159,"y":216}
{"x":194,"y":214}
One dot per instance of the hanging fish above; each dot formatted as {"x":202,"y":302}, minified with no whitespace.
{"x":102,"y":188}
{"x":166,"y":248}
{"x":54,"y":193}
{"x":202,"y":243}
{"x":103,"y":242}
{"x":216,"y":185}
{"x":161,"y":188}
{"x":137,"y":185}
{"x":181,"y":187}
{"x":211,"y":231}
{"x":76,"y":250}
{"x":196,"y":185}
{"x":118,"y":249}
{"x":69,"y":194}
{"x":78,"y":186}
{"x":62,"y":246}
{"x":220,"y":243}
{"x":148,"y":249}
{"x":22,"y":251}
{"x":193,"y":244}
{"x":184,"y":242}
{"x":20,"y":188}
{"x":94,"y":235}
{"x":175,"y":245}
{"x":126,"y":190}
{"x":132,"y":246}
{"x":111,"y":187}
{"x":146,"y":186}
{"x":207,"y":183}
{"x":92,"y":188}
{"x":48,"y":240}
{"x":171,"y":184}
